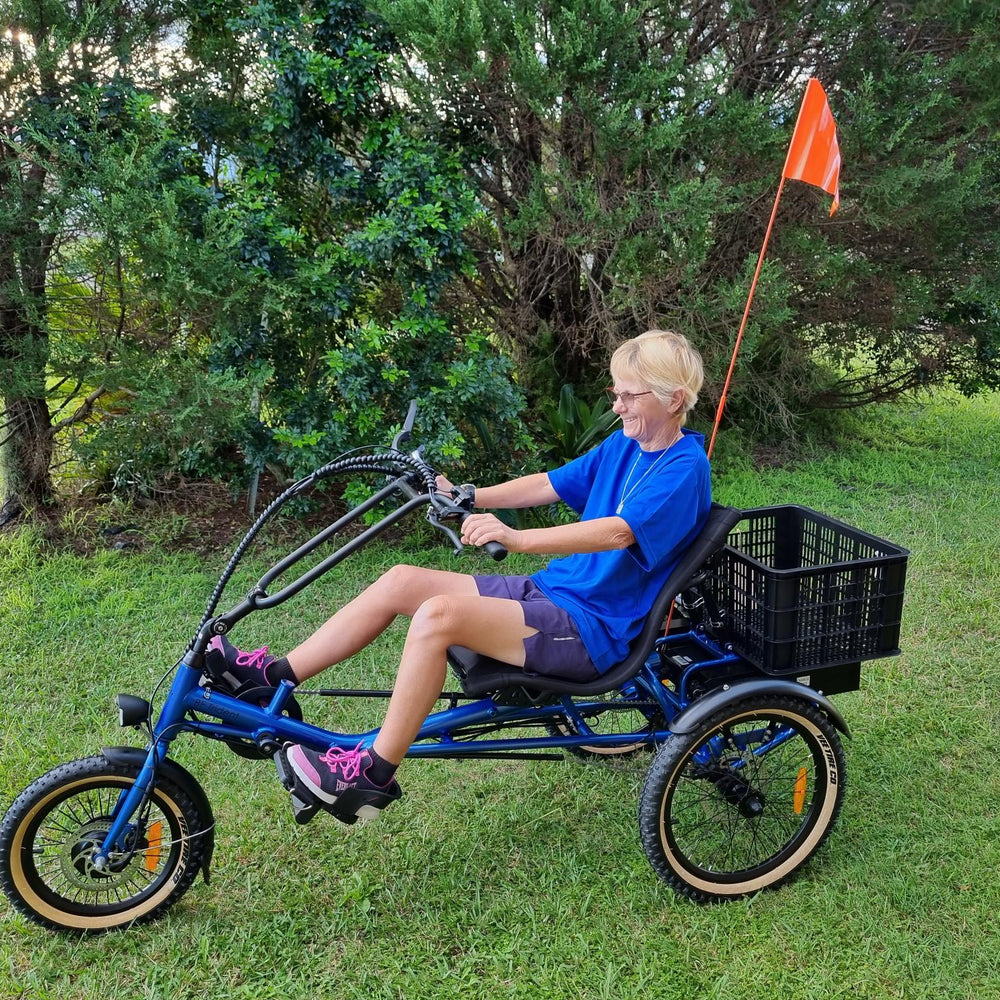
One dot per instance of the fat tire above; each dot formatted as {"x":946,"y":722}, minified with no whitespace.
{"x":669,"y":829}
{"x":80,"y":788}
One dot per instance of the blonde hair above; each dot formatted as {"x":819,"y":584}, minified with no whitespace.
{"x":664,"y":361}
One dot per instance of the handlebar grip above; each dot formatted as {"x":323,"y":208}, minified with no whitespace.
{"x":496,"y":551}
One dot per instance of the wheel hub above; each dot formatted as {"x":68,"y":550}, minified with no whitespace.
{"x":78,"y":860}
{"x":736,"y":790}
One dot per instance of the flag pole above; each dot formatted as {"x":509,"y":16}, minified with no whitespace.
{"x":746,"y":313}
{"x":817,"y":162}
{"x":736,"y":349}
{"x":813,"y":157}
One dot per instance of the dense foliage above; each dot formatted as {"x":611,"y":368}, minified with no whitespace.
{"x":68,"y":79}
{"x":629,"y":154}
{"x":234,"y":236}
{"x":244,"y":246}
{"x":356,"y":225}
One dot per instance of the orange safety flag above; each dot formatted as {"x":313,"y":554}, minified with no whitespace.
{"x":814,"y":155}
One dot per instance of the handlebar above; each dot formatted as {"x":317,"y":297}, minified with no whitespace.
{"x":442,"y":507}
{"x":445,"y":508}
{"x":408,"y":474}
{"x":495,"y":550}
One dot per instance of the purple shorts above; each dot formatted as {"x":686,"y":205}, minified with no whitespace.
{"x":556,"y":649}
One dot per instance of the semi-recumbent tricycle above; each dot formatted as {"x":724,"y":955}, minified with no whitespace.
{"x":769,"y":612}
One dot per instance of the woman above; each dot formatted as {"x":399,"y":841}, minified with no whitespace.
{"x":643,"y":495}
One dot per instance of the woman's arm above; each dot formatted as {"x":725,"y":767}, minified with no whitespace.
{"x":598,"y":535}
{"x":526,"y":491}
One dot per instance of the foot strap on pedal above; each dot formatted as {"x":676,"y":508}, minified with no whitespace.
{"x":362,"y":803}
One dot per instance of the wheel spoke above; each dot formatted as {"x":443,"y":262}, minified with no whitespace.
{"x":745,"y":841}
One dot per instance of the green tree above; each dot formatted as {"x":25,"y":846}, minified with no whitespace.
{"x":78,"y":89}
{"x":207,"y":204}
{"x":144,"y":286}
{"x":357,"y":220}
{"x":628,"y":154}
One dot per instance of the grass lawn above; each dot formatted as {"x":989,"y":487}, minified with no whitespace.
{"x":526,"y":879}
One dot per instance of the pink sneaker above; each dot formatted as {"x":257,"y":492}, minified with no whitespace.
{"x":338,"y":782}
{"x":238,"y":668}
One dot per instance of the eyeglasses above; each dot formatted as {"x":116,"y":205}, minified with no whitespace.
{"x":627,"y":398}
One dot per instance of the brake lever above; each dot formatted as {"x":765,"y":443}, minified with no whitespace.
{"x":435,"y":520}
{"x":460,"y":511}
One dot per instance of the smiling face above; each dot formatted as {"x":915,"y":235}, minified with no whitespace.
{"x":648,"y":420}
{"x":663,"y":372}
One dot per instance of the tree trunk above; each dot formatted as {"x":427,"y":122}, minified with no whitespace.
{"x":26,"y":439}
{"x":25,"y":457}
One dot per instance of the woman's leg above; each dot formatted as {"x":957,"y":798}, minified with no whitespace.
{"x":362,"y":781}
{"x":489,"y":625}
{"x":399,"y":591}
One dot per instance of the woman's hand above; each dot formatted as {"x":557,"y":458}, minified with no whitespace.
{"x":444,"y":485}
{"x":478,"y":529}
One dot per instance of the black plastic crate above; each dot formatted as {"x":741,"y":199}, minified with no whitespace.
{"x":800,"y":591}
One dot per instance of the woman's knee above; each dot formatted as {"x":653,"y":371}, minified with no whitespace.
{"x":403,"y":588}
{"x":397,"y":577}
{"x":437,"y":619}
{"x":406,"y":587}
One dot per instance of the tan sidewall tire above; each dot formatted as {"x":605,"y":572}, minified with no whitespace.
{"x":661,"y":851}
{"x":174,"y":882}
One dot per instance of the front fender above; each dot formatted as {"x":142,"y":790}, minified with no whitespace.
{"x":180,"y":776}
{"x":694,"y":715}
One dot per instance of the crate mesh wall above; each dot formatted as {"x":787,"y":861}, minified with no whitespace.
{"x":801,"y":590}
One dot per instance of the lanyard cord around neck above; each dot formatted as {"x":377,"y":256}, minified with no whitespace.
{"x":625,"y":496}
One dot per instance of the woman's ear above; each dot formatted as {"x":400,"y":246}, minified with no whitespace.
{"x":677,"y":401}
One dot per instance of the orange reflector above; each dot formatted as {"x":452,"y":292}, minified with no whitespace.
{"x":154,"y":837}
{"x":799,"y":795}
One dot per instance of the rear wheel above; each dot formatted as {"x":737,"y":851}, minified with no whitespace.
{"x":743,"y":802}
{"x":53,"y":828}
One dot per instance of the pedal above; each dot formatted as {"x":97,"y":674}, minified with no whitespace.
{"x":285,"y":774}
{"x":304,"y":806}
{"x":302,"y":812}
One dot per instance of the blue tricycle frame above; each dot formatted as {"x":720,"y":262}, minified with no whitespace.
{"x":746,"y":772}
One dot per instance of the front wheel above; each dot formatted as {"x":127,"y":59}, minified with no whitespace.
{"x":53,"y":828}
{"x":743,"y":802}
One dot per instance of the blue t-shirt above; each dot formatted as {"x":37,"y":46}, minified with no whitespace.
{"x":664,"y":496}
